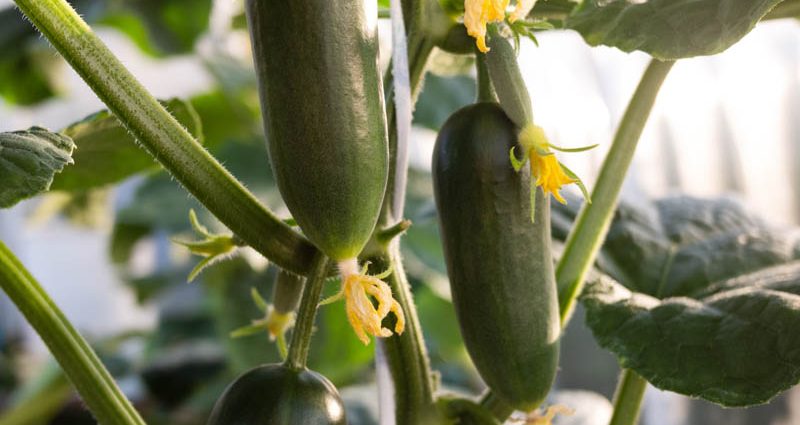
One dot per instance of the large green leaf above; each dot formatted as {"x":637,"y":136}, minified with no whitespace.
{"x":737,"y":345}
{"x":708,"y":300}
{"x":28,"y":161}
{"x":678,"y":246}
{"x":668,"y":29}
{"x":107,"y":153}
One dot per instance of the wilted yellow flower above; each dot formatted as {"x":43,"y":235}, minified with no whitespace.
{"x":546,"y":418}
{"x":364,"y":317}
{"x":478,"y":13}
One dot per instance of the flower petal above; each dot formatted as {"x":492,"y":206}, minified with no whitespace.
{"x":478,"y":13}
{"x":400,"y":325}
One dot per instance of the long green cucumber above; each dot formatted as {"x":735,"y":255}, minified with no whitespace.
{"x":322,"y":102}
{"x":500,"y":264}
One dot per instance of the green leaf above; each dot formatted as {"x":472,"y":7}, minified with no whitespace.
{"x":678,"y":246}
{"x":735,"y":345}
{"x":441,"y":97}
{"x":228,"y":117}
{"x":258,"y":300}
{"x":706,"y":300}
{"x":30,"y":72}
{"x":124,"y":237}
{"x":254,"y":328}
{"x":107,"y":153}
{"x":668,"y":29}
{"x":160,"y":27}
{"x":29,"y":160}
{"x":27,"y":65}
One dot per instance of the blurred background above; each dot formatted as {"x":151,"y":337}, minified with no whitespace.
{"x":723,"y":125}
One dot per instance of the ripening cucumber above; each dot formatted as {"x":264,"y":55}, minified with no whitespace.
{"x":499,"y":263}
{"x":322,"y":103}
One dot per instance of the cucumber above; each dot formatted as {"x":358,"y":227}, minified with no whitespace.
{"x":286,"y":292}
{"x":500,"y":264}
{"x":277,"y":395}
{"x":322,"y":103}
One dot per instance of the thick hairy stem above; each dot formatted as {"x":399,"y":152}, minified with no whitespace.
{"x":164,"y":138}
{"x":591,"y":226}
{"x":82,"y":366}
{"x":628,"y":398}
{"x":304,"y":326}
{"x":406,"y":353}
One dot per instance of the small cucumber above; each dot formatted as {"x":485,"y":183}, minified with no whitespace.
{"x":500,"y":264}
{"x":277,"y":395}
{"x":286,"y":292}
{"x":322,"y":102}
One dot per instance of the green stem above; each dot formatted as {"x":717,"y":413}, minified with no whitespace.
{"x":301,"y":336}
{"x":592,"y":224}
{"x":37,"y":402}
{"x":80,"y":363}
{"x":162,"y":136}
{"x":786,"y":9}
{"x":501,"y":61}
{"x":628,"y":398}
{"x":486,"y":91}
{"x":406,"y":353}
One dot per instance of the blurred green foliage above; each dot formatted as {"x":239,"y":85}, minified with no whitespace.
{"x":30,"y":73}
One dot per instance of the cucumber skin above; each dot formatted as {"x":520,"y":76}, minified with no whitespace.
{"x":276,"y":395}
{"x":500,"y":264}
{"x":322,"y":103}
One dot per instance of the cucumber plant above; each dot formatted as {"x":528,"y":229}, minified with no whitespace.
{"x":335,"y":138}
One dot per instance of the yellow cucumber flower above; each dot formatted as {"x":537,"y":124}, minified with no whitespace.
{"x":364,"y":317}
{"x":545,"y":168}
{"x":479,"y":13}
{"x":546,"y":171}
{"x":549,"y":174}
